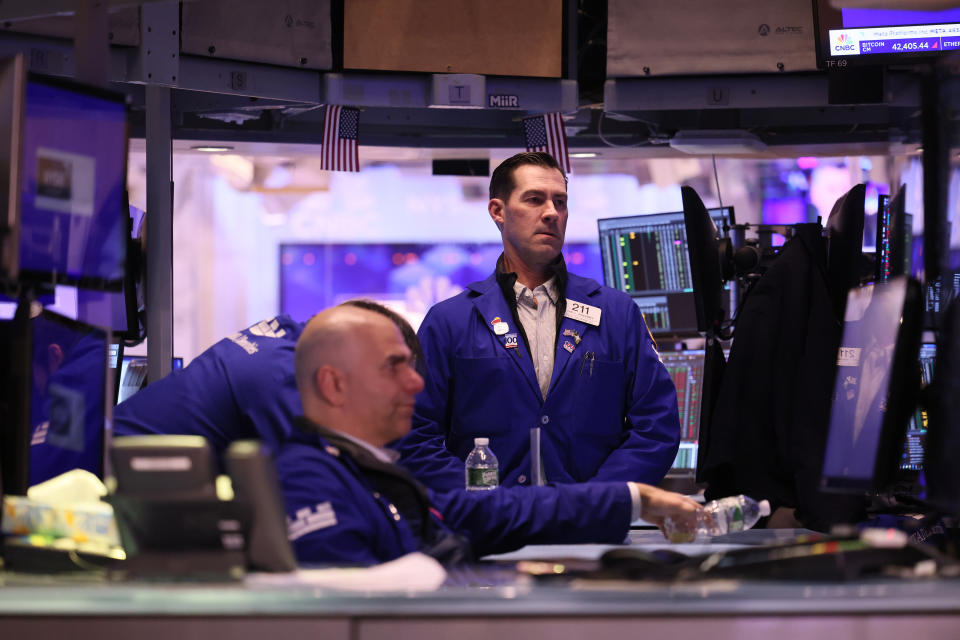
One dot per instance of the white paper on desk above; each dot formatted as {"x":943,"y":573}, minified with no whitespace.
{"x":412,"y":572}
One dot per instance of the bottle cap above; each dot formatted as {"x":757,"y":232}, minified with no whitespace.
{"x":481,"y":442}
{"x":764,"y":507}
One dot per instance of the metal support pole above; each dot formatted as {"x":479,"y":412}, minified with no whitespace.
{"x":159,"y":233}
{"x":936,"y":170}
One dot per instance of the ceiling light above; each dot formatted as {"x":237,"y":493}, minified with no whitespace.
{"x":718,"y":142}
{"x":208,"y":148}
{"x":585,"y":154}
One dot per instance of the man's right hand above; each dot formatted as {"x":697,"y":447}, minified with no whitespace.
{"x":657,"y":505}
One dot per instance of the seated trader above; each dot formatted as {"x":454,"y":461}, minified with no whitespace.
{"x":347,"y":502}
{"x":535,"y":346}
{"x":240,"y":388}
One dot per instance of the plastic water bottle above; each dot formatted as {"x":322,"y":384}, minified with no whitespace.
{"x":482,"y":469}
{"x":726,"y":515}
{"x":732,"y":514}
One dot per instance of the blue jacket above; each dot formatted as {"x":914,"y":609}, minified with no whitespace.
{"x":610,"y":412}
{"x":241,"y":387}
{"x":337,"y":515}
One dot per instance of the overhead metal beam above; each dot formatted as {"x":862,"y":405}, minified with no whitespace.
{"x":761,"y":91}
{"x":14,"y":10}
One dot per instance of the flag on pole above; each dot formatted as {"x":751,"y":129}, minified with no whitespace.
{"x":339,"y":142}
{"x":546,"y":133}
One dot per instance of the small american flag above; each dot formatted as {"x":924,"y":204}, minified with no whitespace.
{"x":546,"y":133}
{"x":339,"y":150}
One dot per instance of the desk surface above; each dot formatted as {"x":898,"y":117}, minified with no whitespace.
{"x":478,"y":602}
{"x":492,"y":589}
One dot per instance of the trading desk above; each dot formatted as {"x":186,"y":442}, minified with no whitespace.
{"x":484,"y":605}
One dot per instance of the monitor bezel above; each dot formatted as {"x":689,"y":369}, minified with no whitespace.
{"x":13,"y":88}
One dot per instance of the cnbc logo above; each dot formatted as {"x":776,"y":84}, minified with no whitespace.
{"x":844,"y":43}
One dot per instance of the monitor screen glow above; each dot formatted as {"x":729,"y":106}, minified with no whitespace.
{"x":73,"y":227}
{"x":647,"y":257}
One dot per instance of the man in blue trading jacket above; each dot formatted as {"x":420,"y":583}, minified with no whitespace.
{"x":347,"y":502}
{"x":535,"y":346}
{"x":240,"y":388}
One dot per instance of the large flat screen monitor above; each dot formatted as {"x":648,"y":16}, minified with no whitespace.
{"x":72,"y":181}
{"x":875,"y":387}
{"x":68,"y":398}
{"x":647,"y":257}
{"x":856,"y":36}
{"x":408,"y":277}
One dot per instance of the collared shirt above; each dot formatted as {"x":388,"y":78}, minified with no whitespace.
{"x":537,"y":311}
{"x":383,"y":455}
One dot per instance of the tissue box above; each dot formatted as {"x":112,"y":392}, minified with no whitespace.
{"x":87,"y":523}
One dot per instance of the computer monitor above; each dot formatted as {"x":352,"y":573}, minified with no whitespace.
{"x":844,"y":230}
{"x":120,"y":311}
{"x":59,"y":423}
{"x":859,"y":36}
{"x":937,"y":296}
{"x":686,"y":371}
{"x":893,"y":254}
{"x":646,"y":256}
{"x":132,"y":375}
{"x":913,"y":447}
{"x":73,"y":224}
{"x":875,"y":388}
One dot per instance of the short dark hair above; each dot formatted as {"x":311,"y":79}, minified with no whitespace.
{"x":501,"y":182}
{"x":409,"y":335}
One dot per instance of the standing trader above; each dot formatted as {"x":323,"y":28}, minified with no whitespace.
{"x":347,"y":502}
{"x":535,"y":346}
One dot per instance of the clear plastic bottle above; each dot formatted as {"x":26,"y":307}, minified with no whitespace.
{"x":482,"y":470}
{"x":735,"y":513}
{"x":726,"y":515}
